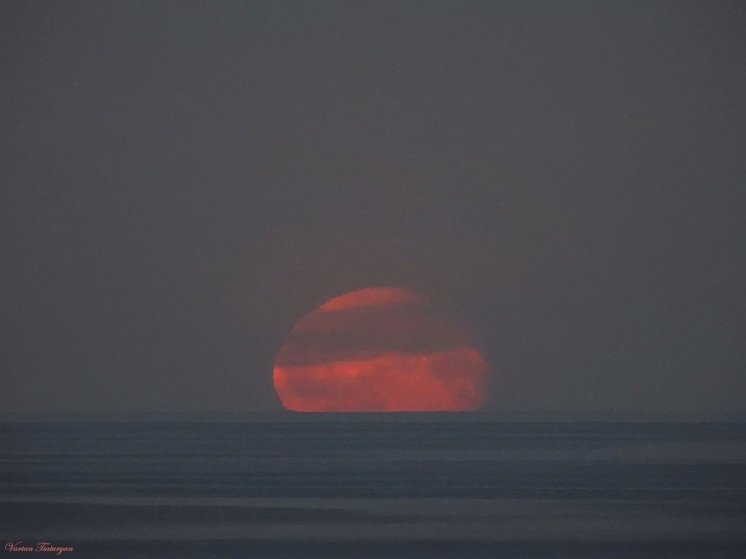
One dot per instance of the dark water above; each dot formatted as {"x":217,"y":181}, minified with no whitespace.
{"x":342,"y":487}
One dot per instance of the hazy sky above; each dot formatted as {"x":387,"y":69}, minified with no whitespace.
{"x":182,"y":181}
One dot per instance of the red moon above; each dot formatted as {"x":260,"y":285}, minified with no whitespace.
{"x":379,"y":349}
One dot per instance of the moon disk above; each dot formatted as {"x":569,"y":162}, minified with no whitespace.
{"x":378,"y":349}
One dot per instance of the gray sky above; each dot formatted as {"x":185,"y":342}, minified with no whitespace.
{"x":182,"y":181}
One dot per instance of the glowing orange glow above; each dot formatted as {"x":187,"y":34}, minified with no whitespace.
{"x":378,"y":349}
{"x":373,"y":297}
{"x":446,"y":381}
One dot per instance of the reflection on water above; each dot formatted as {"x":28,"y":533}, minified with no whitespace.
{"x":415,"y":488}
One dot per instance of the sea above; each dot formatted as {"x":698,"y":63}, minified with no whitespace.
{"x":349,"y":486}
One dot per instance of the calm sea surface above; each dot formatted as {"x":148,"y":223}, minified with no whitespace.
{"x":400,"y":488}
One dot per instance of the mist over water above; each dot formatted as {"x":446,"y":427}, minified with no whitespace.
{"x":336,"y":487}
